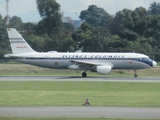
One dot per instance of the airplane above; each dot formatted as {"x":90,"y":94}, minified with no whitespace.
{"x":102,"y":63}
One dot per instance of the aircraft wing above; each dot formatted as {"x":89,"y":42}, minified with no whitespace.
{"x":90,"y":65}
{"x":79,"y":62}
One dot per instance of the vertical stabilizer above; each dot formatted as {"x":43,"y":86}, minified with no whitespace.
{"x":18,"y":44}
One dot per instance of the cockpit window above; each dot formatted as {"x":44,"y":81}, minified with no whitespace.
{"x":148,"y":59}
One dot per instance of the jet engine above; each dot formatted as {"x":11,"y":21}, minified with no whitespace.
{"x":103,"y":69}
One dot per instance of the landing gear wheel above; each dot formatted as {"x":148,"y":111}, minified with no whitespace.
{"x":135,"y":75}
{"x":84,"y":74}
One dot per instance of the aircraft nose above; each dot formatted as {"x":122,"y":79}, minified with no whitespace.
{"x":154,"y":63}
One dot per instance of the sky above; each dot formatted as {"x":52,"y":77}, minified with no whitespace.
{"x":27,"y":9}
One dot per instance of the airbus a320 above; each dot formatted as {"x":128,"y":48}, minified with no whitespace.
{"x":102,"y":63}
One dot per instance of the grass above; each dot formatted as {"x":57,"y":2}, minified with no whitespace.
{"x":74,"y":94}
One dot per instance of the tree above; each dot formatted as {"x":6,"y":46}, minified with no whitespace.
{"x":60,"y":41}
{"x":82,"y":35}
{"x":140,"y":20}
{"x":51,"y":17}
{"x":130,"y":24}
{"x":91,"y":39}
{"x":3,"y":38}
{"x":154,"y":8}
{"x":129,"y":35}
{"x":100,"y":39}
{"x":95,"y":16}
{"x":29,"y":26}
{"x":68,"y":26}
{"x":37,"y":42}
{"x":16,"y":22}
{"x":117,"y":24}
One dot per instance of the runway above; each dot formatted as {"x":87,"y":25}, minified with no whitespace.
{"x":83,"y":111}
{"x":79,"y":78}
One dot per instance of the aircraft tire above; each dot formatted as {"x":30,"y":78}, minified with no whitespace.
{"x":84,"y":74}
{"x":135,"y":75}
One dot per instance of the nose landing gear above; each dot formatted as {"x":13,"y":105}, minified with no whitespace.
{"x":135,"y":74}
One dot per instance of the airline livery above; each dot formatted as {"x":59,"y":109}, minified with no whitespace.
{"x":102,"y":63}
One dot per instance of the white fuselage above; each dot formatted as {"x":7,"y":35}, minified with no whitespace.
{"x":64,"y":60}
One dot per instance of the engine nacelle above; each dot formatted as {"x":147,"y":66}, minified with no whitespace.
{"x":104,"y":69}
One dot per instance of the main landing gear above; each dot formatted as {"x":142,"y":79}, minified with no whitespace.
{"x":84,"y":74}
{"x":135,"y":74}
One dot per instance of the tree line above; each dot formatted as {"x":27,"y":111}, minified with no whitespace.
{"x":127,"y":31}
